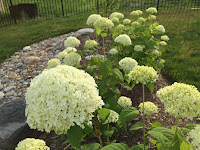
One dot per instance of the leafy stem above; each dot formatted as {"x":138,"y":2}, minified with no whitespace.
{"x":143,"y":116}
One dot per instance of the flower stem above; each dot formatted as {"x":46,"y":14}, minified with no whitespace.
{"x":100,"y":141}
{"x":107,"y":136}
{"x":143,"y":117}
{"x":104,"y":49}
{"x":67,"y":146}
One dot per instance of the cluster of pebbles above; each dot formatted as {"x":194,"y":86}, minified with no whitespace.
{"x":17,"y":71}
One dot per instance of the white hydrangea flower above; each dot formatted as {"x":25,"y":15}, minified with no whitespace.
{"x":120,"y":27}
{"x":124,"y":102}
{"x":155,"y":52}
{"x":112,"y":118}
{"x":103,"y":23}
{"x":61,"y":97}
{"x":123,"y":39}
{"x":127,"y":64}
{"x":134,"y":13}
{"x":126,"y":21}
{"x":160,"y":28}
{"x":71,"y":42}
{"x":70,"y":49}
{"x":180,"y":100}
{"x":143,"y":74}
{"x":52,"y":63}
{"x":194,"y":136}
{"x":153,"y":17}
{"x":115,"y":20}
{"x":163,"y":43}
{"x":162,"y":61}
{"x":135,"y":24}
{"x":151,"y":10}
{"x":116,"y":14}
{"x":141,"y":19}
{"x":92,"y":18}
{"x":62,"y":55}
{"x":139,"y":12}
{"x":113,"y":51}
{"x":90,"y":44}
{"x":72,"y":59}
{"x":138,"y":48}
{"x":149,"y":108}
{"x":165,"y":38}
{"x":32,"y":144}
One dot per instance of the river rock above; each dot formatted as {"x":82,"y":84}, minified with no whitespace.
{"x":31,"y":60}
{"x":9,"y":88}
{"x":12,"y":75}
{"x":26,"y":48}
{"x":85,"y":31}
{"x":13,"y":126}
{"x":1,"y":95}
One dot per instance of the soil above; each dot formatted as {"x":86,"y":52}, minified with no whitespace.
{"x":130,"y":137}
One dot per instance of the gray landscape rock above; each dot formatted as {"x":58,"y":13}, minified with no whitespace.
{"x":32,"y":60}
{"x":85,"y":31}
{"x":9,"y":88}
{"x":1,"y":95}
{"x":13,"y":126}
{"x":26,"y":48}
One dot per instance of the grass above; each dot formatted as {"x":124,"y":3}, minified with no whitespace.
{"x":14,"y":38}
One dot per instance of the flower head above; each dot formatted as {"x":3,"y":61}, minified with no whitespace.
{"x":143,"y":74}
{"x":113,"y":117}
{"x":72,"y":59}
{"x":162,"y":61}
{"x":163,"y":43}
{"x":135,"y":24}
{"x":151,"y":10}
{"x":70,"y":49}
{"x":141,"y":20}
{"x":116,"y":14}
{"x":53,"y":63}
{"x":134,"y":14}
{"x":124,"y":102}
{"x":149,"y":108}
{"x":62,"y":55}
{"x":165,"y":38}
{"x":194,"y":136}
{"x":92,"y":18}
{"x":103,"y":23}
{"x":127,"y":64}
{"x":180,"y":100}
{"x":126,"y":21}
{"x":138,"y":48}
{"x":115,"y":20}
{"x":139,"y":12}
{"x":90,"y":44}
{"x":120,"y":27}
{"x":123,"y":39}
{"x":155,"y":52}
{"x":113,"y":51}
{"x":32,"y":144}
{"x":160,"y":28}
{"x":71,"y":42}
{"x":61,"y":97}
{"x":153,"y":17}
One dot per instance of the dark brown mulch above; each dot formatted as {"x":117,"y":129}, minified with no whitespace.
{"x":130,"y":137}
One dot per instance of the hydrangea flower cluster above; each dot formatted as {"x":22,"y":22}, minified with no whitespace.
{"x":53,"y":63}
{"x":165,"y":38}
{"x":194,"y":136}
{"x":71,"y":42}
{"x":120,"y":27}
{"x":60,"y":98}
{"x":138,"y":48}
{"x":116,"y":14}
{"x":134,"y":13}
{"x":155,"y":52}
{"x":160,"y":28}
{"x":123,"y":39}
{"x":115,"y":20}
{"x":135,"y":24}
{"x":90,"y":44}
{"x":92,"y":18}
{"x":143,"y":74}
{"x":126,"y":21}
{"x":103,"y":23}
{"x":127,"y":64}
{"x":180,"y":100}
{"x":62,"y":55}
{"x":141,"y":19}
{"x":124,"y":102}
{"x":149,"y":108}
{"x":139,"y":12}
{"x":153,"y":17}
{"x":70,"y":49}
{"x":113,"y":51}
{"x":72,"y":59}
{"x":32,"y":144}
{"x":163,"y":43}
{"x":113,"y":117}
{"x":151,"y":10}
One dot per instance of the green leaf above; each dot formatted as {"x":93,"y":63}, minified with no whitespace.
{"x":185,"y":146}
{"x":156,"y":124}
{"x":116,"y":146}
{"x":150,"y":86}
{"x":91,"y":146}
{"x":103,"y":34}
{"x":127,"y":114}
{"x":127,"y":87}
{"x":91,"y":69}
{"x":75,"y":136}
{"x":98,"y":31}
{"x":108,"y":133}
{"x":139,"y":147}
{"x":163,"y":135}
{"x":105,"y":67}
{"x":103,"y":114}
{"x":126,"y":77}
{"x":119,"y":74}
{"x":188,"y":128}
{"x":115,"y":90}
{"x":88,"y":128}
{"x":137,"y":126}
